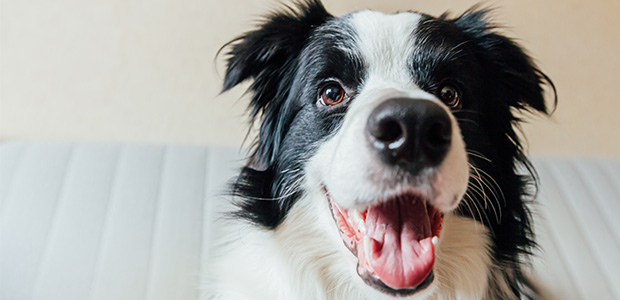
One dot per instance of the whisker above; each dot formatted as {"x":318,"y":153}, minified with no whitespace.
{"x":494,"y":199}
{"x":494,"y":183}
{"x":478,"y":155}
{"x":482,"y":182}
{"x":466,"y":196}
{"x":293,"y":187}
{"x":487,"y":182}
{"x":481,"y":213}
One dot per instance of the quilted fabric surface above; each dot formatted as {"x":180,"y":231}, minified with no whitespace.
{"x":578,"y":227}
{"x":107,"y":221}
{"x":134,"y":221}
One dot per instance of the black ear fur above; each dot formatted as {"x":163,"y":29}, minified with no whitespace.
{"x":268,"y":56}
{"x":520,"y":79}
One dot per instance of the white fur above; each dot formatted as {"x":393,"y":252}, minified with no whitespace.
{"x":384,"y":41}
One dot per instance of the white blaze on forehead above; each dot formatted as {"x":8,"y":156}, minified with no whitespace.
{"x":385,"y":43}
{"x":347,"y":165}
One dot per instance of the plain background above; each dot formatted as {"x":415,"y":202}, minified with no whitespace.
{"x":145,"y":70}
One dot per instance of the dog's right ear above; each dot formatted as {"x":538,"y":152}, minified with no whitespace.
{"x":276,"y":42}
{"x":268,"y":56}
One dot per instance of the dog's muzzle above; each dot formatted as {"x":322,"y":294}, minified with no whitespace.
{"x":412,"y":134}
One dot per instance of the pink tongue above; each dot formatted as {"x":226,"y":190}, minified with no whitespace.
{"x":401,"y":251}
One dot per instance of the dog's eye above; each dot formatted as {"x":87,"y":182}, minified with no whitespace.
{"x":450,"y":95}
{"x":332,"y":94}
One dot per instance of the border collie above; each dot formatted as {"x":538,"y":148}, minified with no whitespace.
{"x":386,"y":164}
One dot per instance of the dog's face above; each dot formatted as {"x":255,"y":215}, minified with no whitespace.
{"x":390,"y":118}
{"x":397,"y":161}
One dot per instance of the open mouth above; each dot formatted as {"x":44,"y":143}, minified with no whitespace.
{"x":393,"y":240}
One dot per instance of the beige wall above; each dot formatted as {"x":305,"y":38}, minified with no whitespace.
{"x":143,"y":70}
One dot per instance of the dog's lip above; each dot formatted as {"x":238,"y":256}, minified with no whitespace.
{"x":351,"y":224}
{"x":372,"y":281}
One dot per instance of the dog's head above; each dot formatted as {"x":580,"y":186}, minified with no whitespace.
{"x":395,"y":120}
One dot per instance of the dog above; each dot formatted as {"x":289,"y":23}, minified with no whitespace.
{"x":387,"y":160}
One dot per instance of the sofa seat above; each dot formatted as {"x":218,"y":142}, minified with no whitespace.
{"x":83,"y":220}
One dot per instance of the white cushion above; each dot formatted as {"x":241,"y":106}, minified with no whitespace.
{"x":106,"y":221}
{"x":578,"y":228}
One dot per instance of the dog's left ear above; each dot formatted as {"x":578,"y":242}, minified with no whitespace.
{"x":519,"y":80}
{"x":269,"y":56}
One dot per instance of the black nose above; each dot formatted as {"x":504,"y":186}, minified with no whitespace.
{"x":410,"y":133}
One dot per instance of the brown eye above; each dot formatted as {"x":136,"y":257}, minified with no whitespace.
{"x":450,"y":95}
{"x":332,"y":94}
